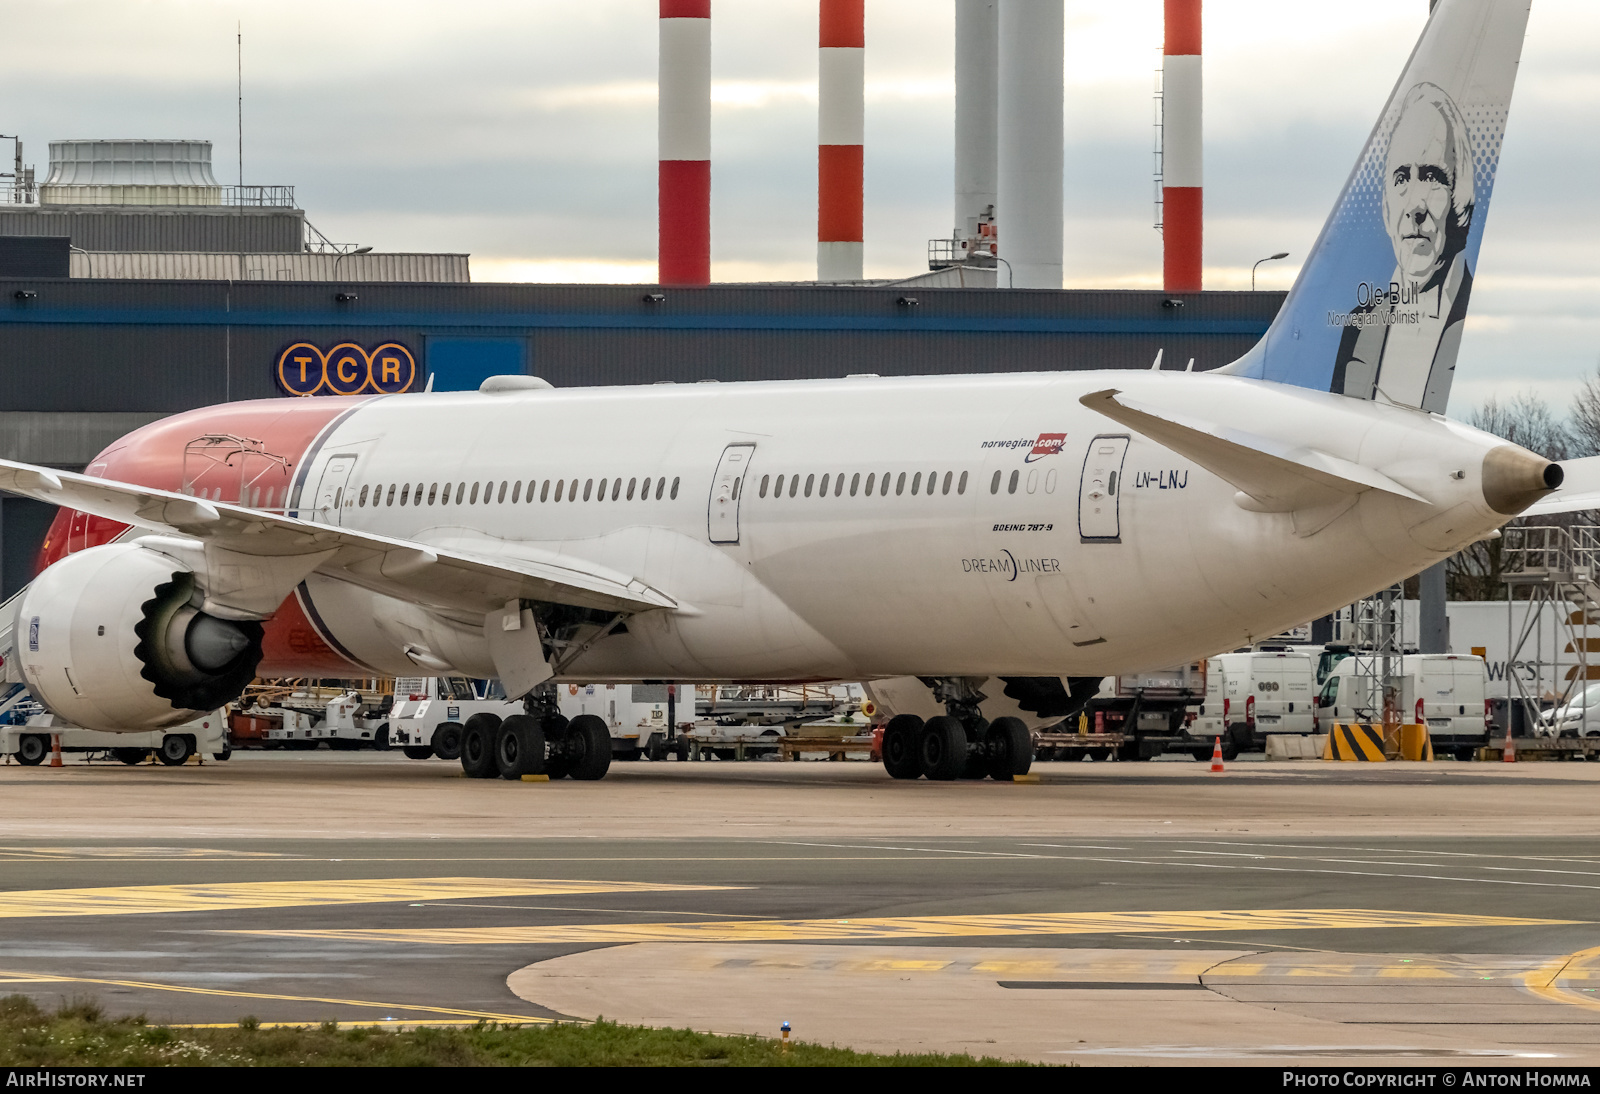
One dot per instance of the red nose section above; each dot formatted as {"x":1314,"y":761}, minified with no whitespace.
{"x":246,"y":453}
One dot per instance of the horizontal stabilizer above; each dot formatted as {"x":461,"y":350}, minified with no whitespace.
{"x":1579,"y":490}
{"x":1277,"y":477}
{"x":432,"y":576}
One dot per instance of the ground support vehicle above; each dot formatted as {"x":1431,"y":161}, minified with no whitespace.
{"x":31,"y":742}
{"x":342,"y":718}
{"x":638,"y":716}
{"x":1069,"y":744}
{"x":1148,"y":712}
{"x":1251,"y":695}
{"x":430,"y":713}
{"x":1447,"y":692}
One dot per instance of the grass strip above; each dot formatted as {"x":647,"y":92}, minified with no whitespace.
{"x":78,"y":1034}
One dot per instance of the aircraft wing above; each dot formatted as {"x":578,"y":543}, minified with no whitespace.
{"x":253,"y":559}
{"x":1278,"y":477}
{"x":1579,"y":489}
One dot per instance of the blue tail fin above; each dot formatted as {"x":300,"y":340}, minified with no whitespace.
{"x":1378,"y":309}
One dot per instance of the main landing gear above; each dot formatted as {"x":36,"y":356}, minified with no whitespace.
{"x":540,"y":742}
{"x":960,"y":744}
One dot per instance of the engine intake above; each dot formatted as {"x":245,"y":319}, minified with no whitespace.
{"x":113,"y":638}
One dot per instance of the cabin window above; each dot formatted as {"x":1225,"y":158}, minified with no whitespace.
{"x":516,"y":492}
{"x":473,"y":499}
{"x":794,"y":485}
{"x":855,"y":481}
{"x":778,"y":493}
{"x":736,"y":484}
{"x":766,"y":480}
{"x":948,"y":475}
{"x":1011,"y":487}
{"x":363,"y":500}
{"x":501,"y":496}
{"x":916,"y":481}
{"x":823,"y":491}
{"x":810,"y":482}
{"x":405,"y":493}
{"x":390,"y":500}
{"x":675,"y":481}
{"x":994,"y":484}
{"x":838,"y":485}
{"x":561,"y":484}
{"x":588,"y":485}
{"x":961,"y":486}
{"x":632,"y":483}
{"x":544,"y":491}
{"x":616,"y":488}
{"x":601,"y":494}
{"x":661,"y":488}
{"x":900,"y":484}
{"x":461,"y":491}
{"x":433,"y":492}
{"x":870,"y":479}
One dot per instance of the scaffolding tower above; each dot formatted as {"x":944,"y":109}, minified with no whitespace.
{"x":1548,"y":565}
{"x":1376,"y":651}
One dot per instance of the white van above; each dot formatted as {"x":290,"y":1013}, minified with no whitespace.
{"x":1251,"y":695}
{"x":1447,"y":692}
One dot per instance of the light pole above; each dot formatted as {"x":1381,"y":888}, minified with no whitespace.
{"x":343,"y":255}
{"x":1269,"y":258}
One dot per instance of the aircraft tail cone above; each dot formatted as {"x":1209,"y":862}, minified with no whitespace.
{"x":1216,"y":758}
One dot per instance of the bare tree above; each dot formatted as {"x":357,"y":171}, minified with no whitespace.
{"x":1585,"y":427}
{"x":1526,"y":420}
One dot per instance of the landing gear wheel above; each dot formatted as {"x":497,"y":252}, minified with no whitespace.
{"x":900,"y":752}
{"x":477,"y":746}
{"x":130,"y":756}
{"x":446,"y":740}
{"x":518,"y":746}
{"x":558,"y":765}
{"x":31,"y":749}
{"x":942,"y":748}
{"x":175,"y":750}
{"x":418,"y":752}
{"x":587,"y":750}
{"x":1010,"y":748}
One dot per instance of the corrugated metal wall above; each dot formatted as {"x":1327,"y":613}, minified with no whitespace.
{"x":206,"y":266}
{"x":178,"y":228}
{"x":151,"y":345}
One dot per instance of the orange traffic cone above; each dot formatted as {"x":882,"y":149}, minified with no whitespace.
{"x":1509,"y":752}
{"x":55,"y":750}
{"x":1216,"y":757}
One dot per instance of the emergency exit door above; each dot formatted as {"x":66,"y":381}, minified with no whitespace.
{"x":1100,"y":492}
{"x":726,"y":487}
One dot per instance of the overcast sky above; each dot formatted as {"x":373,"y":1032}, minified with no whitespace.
{"x":525,"y":133}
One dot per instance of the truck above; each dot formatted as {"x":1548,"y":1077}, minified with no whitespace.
{"x":1145,"y":713}
{"x":31,"y":741}
{"x":1250,"y":695}
{"x":1447,"y":692}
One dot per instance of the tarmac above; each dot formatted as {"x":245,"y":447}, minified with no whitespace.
{"x":1109,"y":913}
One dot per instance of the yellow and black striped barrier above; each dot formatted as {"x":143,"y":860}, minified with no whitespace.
{"x":1365,"y":741}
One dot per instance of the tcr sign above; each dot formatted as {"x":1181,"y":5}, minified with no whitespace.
{"x":346,"y":369}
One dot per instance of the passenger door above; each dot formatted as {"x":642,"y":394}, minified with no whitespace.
{"x":722,"y":521}
{"x":330,"y":494}
{"x":1099,"y":491}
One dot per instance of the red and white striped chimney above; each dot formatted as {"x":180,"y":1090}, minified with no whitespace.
{"x":841,"y":114}
{"x":1182,"y":149}
{"x":684,"y":120}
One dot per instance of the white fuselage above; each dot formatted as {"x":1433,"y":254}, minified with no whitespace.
{"x":1066,"y":573}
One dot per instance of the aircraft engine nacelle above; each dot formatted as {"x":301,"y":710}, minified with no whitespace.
{"x":112,"y":638}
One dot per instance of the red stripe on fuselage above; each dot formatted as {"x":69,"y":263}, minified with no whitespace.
{"x":155,"y":456}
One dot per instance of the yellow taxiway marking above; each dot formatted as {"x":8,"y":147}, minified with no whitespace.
{"x":228,"y":896}
{"x":472,"y":1015}
{"x":1547,"y":980}
{"x":946,"y":926}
